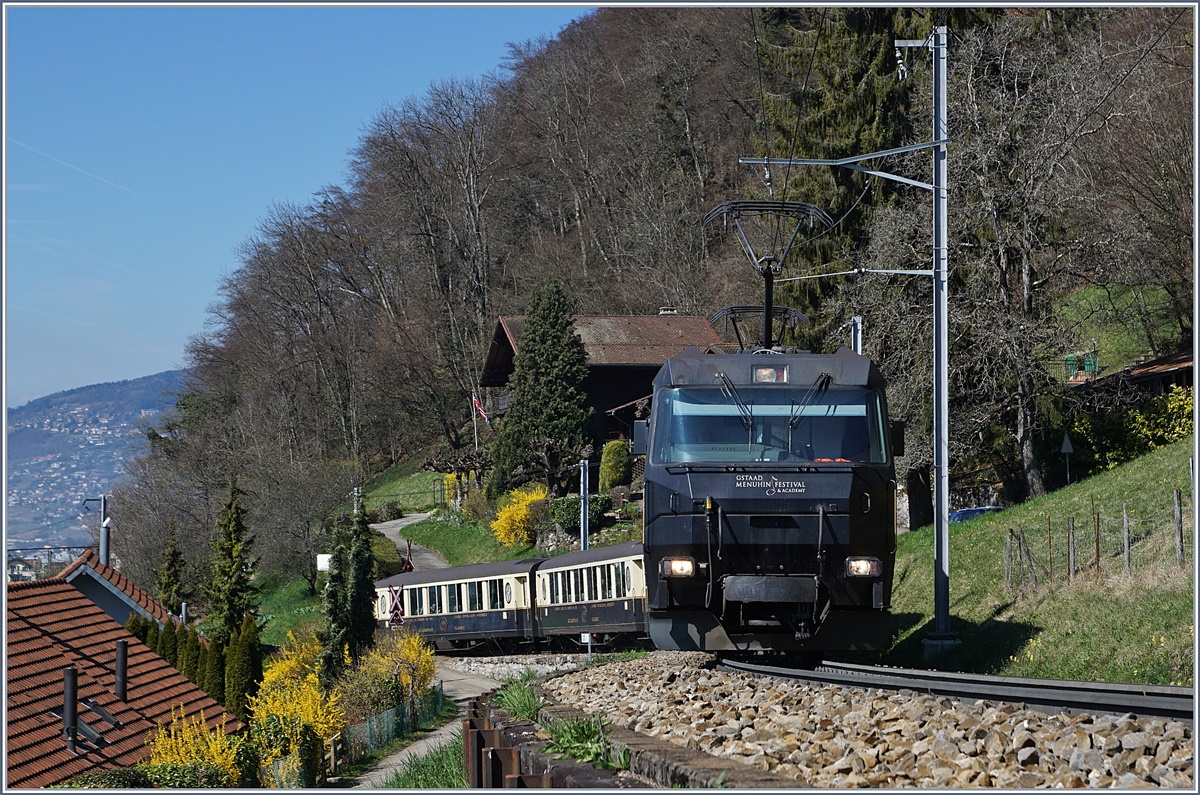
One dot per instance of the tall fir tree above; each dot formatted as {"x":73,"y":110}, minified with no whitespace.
{"x":168,"y":643}
{"x":186,"y":645}
{"x":360,"y":590}
{"x":168,"y":578}
{"x":334,"y":637}
{"x":243,"y":668}
{"x":231,"y":590}
{"x":548,"y":420}
{"x":214,"y":672}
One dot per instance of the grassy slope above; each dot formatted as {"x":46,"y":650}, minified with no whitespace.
{"x":1117,"y":628}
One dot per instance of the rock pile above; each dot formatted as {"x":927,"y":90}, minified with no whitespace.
{"x":844,"y":737}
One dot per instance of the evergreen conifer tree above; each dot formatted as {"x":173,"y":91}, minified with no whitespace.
{"x":152,"y":636}
{"x":360,"y":590}
{"x":231,"y":589}
{"x":547,"y":423}
{"x":168,"y":643}
{"x":214,"y":672}
{"x":185,"y":644}
{"x":243,"y":668}
{"x":335,"y":635}
{"x":200,"y":671}
{"x":168,"y":578}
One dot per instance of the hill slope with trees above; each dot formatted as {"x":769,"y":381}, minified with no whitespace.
{"x":355,"y":327}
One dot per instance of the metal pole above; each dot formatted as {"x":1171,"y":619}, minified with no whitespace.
{"x":104,"y":529}
{"x":583,"y":504}
{"x":856,"y":334}
{"x":941,"y":347}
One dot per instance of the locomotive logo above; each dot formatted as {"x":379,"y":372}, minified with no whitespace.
{"x":771,"y":484}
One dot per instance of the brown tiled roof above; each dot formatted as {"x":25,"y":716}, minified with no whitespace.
{"x":51,"y":625}
{"x":632,"y":340}
{"x":88,"y":564}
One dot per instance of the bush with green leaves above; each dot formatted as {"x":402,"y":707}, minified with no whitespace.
{"x":476,"y":507}
{"x":616,"y":467}
{"x":196,"y":775}
{"x":565,"y":511}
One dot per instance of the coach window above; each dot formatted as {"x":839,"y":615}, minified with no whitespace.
{"x":494,"y":601}
{"x":578,"y":585}
{"x":473,"y":595}
{"x":452,"y":597}
{"x":620,"y":581}
{"x":591,"y":577}
{"x":435,"y":601}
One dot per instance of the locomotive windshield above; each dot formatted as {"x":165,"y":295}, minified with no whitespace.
{"x":768,"y":423}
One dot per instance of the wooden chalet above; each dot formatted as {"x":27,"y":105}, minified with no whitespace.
{"x":624,"y":353}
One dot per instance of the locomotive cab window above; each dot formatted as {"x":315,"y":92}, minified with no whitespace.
{"x":773,"y":423}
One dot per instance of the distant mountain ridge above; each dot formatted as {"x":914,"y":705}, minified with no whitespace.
{"x":71,"y":446}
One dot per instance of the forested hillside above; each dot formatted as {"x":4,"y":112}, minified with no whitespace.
{"x":355,"y":327}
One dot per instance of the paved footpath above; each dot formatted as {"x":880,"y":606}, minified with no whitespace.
{"x":459,"y":686}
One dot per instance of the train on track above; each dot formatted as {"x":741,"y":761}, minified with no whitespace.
{"x":596,"y":595}
{"x":770,"y":503}
{"x":769,"y":525}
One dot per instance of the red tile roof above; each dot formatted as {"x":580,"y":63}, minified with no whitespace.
{"x":88,"y":564}
{"x":50,"y":625}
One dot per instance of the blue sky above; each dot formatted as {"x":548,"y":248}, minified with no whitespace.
{"x":144,"y":144}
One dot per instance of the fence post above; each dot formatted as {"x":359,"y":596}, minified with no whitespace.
{"x":1050,"y":548}
{"x":1125,"y":539}
{"x":1070,"y":548}
{"x":1008,"y":569}
{"x":1179,"y":527}
{"x":1029,"y":557}
{"x":1096,"y":515}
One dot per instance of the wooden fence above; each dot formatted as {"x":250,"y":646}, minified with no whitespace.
{"x":1101,"y":546}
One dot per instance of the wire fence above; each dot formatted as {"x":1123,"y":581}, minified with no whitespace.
{"x":358,"y":741}
{"x":1102,"y":545}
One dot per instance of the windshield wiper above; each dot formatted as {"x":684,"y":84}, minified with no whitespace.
{"x":731,"y":394}
{"x":818,"y":388}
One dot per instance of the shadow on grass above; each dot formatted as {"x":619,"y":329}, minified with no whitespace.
{"x":985,"y":647}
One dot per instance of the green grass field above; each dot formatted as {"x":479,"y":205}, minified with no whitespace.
{"x":1113,"y":627}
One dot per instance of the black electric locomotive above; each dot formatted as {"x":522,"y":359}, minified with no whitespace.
{"x":769,"y":503}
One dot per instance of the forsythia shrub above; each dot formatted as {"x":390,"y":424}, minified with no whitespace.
{"x":516,"y":522}
{"x":290,"y":697}
{"x":279,"y":712}
{"x":297,"y":657}
{"x":405,"y":655}
{"x":186,"y":742}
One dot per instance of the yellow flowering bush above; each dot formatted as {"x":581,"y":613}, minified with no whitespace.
{"x":280,"y":711}
{"x":403,"y":654}
{"x":289,"y":697}
{"x":187,"y":741}
{"x":516,"y":522}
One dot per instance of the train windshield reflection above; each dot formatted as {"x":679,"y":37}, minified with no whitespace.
{"x":773,"y":423}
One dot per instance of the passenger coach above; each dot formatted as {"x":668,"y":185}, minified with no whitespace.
{"x":461,"y":607}
{"x":600,"y":591}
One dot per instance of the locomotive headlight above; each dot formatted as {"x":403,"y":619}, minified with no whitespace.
{"x":770,"y":374}
{"x":863,"y":567}
{"x":677,"y":567}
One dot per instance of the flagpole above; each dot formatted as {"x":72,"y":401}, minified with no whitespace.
{"x":475,"y":421}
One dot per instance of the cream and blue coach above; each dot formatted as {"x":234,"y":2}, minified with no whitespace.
{"x":463,"y":606}
{"x":598,"y":591}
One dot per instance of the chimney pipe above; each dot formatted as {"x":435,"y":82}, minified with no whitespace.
{"x":70,"y":706}
{"x":119,"y":685}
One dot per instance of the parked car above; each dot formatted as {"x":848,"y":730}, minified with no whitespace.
{"x":967,"y":514}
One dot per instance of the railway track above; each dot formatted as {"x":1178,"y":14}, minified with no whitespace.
{"x":1097,"y":698}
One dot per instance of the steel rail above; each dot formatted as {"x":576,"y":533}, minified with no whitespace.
{"x":1098,"y":698}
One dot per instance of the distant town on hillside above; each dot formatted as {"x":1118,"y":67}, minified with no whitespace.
{"x":70,"y":447}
